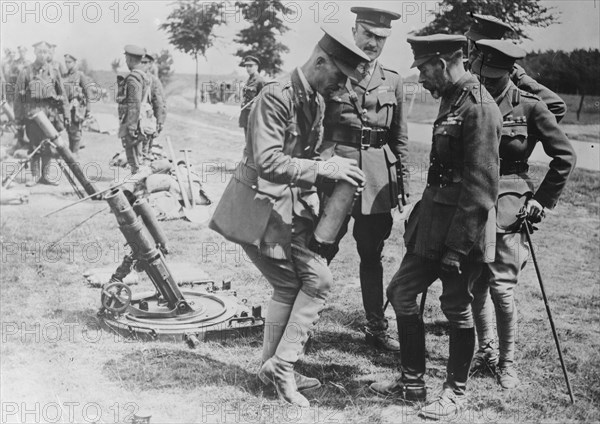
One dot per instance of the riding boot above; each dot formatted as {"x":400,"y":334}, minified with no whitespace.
{"x":411,"y":384}
{"x":278,"y":315}
{"x":279,"y":369}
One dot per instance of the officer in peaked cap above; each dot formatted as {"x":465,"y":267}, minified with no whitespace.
{"x":527,"y":120}
{"x":449,"y":233}
{"x":270,"y":207}
{"x":366,"y":121}
{"x":489,"y":27}
{"x":251,"y":89}
{"x":131,"y":92}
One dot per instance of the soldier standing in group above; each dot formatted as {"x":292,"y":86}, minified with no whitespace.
{"x":253,"y":86}
{"x":270,"y":206}
{"x":130,"y":98}
{"x":55,"y":63}
{"x":157,"y":99}
{"x":527,"y":120}
{"x":15,"y":68}
{"x":452,"y":228}
{"x":40,"y":88}
{"x":366,"y":121}
{"x":77,"y":85}
{"x":486,"y":27}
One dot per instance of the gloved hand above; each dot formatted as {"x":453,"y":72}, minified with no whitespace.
{"x":133,"y":133}
{"x":535,"y":211}
{"x":451,"y":262}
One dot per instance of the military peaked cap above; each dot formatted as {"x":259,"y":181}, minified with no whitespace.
{"x":133,"y":50}
{"x":344,"y":53}
{"x":428,"y":46}
{"x":376,"y":21}
{"x":250,"y":60}
{"x":487,"y":27}
{"x":42,"y":44}
{"x":496,"y":57}
{"x":70,"y":56}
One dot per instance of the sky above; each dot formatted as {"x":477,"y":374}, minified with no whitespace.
{"x":98,"y":30}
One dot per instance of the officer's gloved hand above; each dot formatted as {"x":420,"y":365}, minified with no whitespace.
{"x":133,"y":133}
{"x":339,"y":168}
{"x":451,"y":262}
{"x":535,"y":211}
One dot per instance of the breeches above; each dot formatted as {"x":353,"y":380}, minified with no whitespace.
{"x":304,"y":270}
{"x":416,"y":274}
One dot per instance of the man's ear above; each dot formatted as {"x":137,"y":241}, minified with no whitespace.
{"x":354,"y":31}
{"x":321,"y":61}
{"x":443,"y":64}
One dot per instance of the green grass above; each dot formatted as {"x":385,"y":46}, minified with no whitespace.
{"x":216,"y":381}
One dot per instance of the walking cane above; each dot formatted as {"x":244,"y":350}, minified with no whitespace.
{"x":527,"y":224}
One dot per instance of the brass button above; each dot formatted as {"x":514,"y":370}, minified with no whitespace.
{"x":445,"y":132}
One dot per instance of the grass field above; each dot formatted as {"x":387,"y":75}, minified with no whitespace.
{"x":56,"y":362}
{"x":425,"y":109}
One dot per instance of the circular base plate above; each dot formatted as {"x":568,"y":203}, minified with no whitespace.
{"x":212,"y":315}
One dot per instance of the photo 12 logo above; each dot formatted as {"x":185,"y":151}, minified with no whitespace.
{"x":70,"y":11}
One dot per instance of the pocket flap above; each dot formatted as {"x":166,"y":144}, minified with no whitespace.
{"x":386,"y":98}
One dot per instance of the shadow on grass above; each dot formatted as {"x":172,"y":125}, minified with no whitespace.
{"x":161,"y":368}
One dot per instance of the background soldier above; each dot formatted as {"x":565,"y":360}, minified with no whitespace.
{"x":40,"y":88}
{"x":130,"y":96}
{"x":451,"y":229}
{"x":253,"y":86}
{"x":157,"y":99}
{"x":527,"y":120}
{"x":366,"y":121}
{"x":489,"y":27}
{"x":15,"y":66}
{"x":77,"y":85}
{"x":270,"y":205}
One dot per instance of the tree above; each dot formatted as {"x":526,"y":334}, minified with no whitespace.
{"x":190,"y":27}
{"x":452,"y":16}
{"x":165,"y":64}
{"x":261,"y":36}
{"x":585,"y":65}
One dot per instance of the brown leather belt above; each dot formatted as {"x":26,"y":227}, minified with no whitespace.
{"x":356,"y":137}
